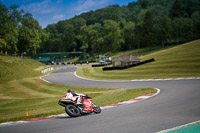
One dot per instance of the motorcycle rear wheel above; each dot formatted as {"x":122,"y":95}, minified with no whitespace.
{"x":72,"y":111}
{"x":96,"y":108}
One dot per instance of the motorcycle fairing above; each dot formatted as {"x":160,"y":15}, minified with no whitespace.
{"x":88,"y":105}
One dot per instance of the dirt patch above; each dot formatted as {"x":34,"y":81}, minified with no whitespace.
{"x":5,"y":97}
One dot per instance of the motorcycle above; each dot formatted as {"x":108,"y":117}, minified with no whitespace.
{"x":74,"y":110}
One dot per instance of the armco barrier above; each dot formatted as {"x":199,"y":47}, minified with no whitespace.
{"x":129,"y":66}
{"x":100,"y":65}
{"x":47,"y":69}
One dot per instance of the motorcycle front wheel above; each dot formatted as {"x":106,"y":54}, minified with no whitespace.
{"x":72,"y":111}
{"x":96,"y":108}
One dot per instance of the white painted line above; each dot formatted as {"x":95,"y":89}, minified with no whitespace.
{"x":99,"y":80}
{"x":175,"y":128}
{"x":128,"y":102}
{"x":61,"y":115}
{"x":12,"y":123}
{"x":165,"y":79}
{"x":138,"y":79}
{"x":44,"y":79}
{"x":107,"y":107}
{"x":143,"y":97}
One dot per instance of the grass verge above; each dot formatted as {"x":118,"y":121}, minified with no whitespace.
{"x":175,"y":62}
{"x":40,"y":99}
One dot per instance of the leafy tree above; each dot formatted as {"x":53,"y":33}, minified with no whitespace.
{"x":29,"y":35}
{"x":176,"y":10}
{"x":196,"y":24}
{"x":129,"y":36}
{"x":9,"y":25}
{"x":140,"y":24}
{"x":189,"y":7}
{"x":2,"y":45}
{"x":90,"y":38}
{"x":182,"y":28}
{"x":138,"y":35}
{"x":69,"y":39}
{"x":112,"y":36}
{"x":3,"y":20}
{"x":148,"y":39}
{"x":162,"y":29}
{"x":78,"y":22}
{"x":19,"y":32}
{"x":50,"y":44}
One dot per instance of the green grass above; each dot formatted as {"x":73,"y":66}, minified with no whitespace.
{"x":193,"y":128}
{"x":22,"y":91}
{"x":40,"y":99}
{"x":137,"y":52}
{"x":176,"y":62}
{"x":12,"y":68}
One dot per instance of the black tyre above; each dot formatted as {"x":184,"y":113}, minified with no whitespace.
{"x":72,"y":111}
{"x":96,"y":108}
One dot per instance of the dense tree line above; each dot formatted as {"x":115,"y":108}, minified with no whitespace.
{"x":145,"y":23}
{"x":20,"y":33}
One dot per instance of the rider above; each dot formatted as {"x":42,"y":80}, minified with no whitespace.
{"x":74,"y":96}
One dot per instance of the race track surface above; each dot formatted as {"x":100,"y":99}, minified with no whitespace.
{"x":177,"y":104}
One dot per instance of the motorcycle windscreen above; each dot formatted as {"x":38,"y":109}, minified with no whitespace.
{"x":88,"y":105}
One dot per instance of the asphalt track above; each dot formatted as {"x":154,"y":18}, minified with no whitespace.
{"x":177,"y":104}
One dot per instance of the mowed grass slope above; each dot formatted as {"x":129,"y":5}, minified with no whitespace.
{"x":21,"y":91}
{"x":12,"y":68}
{"x":181,"y":61}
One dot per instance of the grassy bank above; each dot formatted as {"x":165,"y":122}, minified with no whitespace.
{"x":21,"y":91}
{"x":12,"y":68}
{"x":176,"y":62}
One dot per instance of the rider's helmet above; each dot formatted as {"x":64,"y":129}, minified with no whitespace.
{"x":70,"y":91}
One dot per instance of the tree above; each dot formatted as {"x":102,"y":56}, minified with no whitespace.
{"x":112,"y":36}
{"x":147,"y":28}
{"x":91,"y":38}
{"x":176,"y":10}
{"x":129,"y":36}
{"x":78,"y":22}
{"x":196,"y":24}
{"x":189,"y":7}
{"x":140,"y":24}
{"x":9,"y":25}
{"x":29,"y":35}
{"x":182,"y":29}
{"x":2,"y":45}
{"x":161,"y":25}
{"x":69,"y":38}
{"x":3,"y":20}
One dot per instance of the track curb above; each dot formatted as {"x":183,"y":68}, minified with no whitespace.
{"x":137,"y":99}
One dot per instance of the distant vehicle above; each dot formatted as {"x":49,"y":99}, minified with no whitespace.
{"x":104,"y":59}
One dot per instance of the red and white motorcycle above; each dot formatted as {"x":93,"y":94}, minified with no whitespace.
{"x":74,"y":110}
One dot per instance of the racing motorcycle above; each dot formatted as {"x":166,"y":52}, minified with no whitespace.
{"x":74,"y":110}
